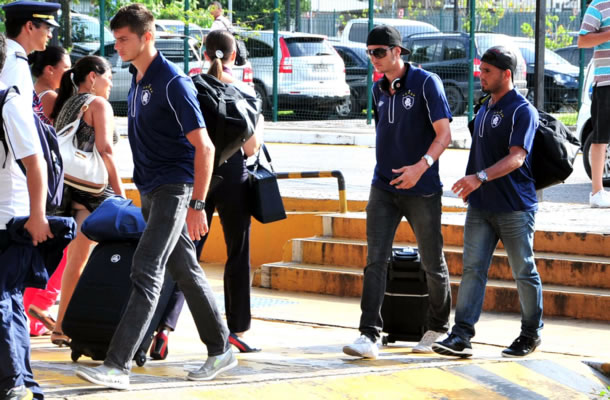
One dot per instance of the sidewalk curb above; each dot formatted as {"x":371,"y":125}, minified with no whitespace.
{"x":326,"y":136}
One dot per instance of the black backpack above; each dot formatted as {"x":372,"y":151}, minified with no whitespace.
{"x":240,"y":46}
{"x":230,"y":115}
{"x":50,"y":149}
{"x":553,"y":151}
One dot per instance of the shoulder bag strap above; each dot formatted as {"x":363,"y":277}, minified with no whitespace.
{"x":3,"y":139}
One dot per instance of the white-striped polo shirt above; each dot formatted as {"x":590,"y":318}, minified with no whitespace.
{"x":597,"y":19}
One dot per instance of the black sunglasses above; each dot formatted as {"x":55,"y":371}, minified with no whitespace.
{"x":379,"y":52}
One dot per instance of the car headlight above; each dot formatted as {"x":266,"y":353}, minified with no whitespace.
{"x":562,"y":79}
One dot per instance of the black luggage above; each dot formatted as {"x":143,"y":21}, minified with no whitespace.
{"x":100,"y":298}
{"x":405,"y":304}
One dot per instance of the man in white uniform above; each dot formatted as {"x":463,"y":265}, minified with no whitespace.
{"x":220,"y":21}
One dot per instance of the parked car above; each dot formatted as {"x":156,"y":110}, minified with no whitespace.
{"x":446,"y":54}
{"x":572,"y":54}
{"x":177,"y":27}
{"x":356,"y":30}
{"x":311,"y":73}
{"x":356,"y":72}
{"x":584,"y":127}
{"x":173,"y":49}
{"x":560,"y":77}
{"x":86,"y":35}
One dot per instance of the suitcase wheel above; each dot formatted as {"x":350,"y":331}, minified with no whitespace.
{"x":384,"y":340}
{"x":140,"y":358}
{"x":75,"y":355}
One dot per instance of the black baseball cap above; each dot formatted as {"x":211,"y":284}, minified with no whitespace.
{"x":385,"y":35}
{"x":501,"y":57}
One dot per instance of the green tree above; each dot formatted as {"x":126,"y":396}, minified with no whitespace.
{"x":488,"y":13}
{"x":556,"y":35}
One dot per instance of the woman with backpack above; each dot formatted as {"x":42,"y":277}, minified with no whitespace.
{"x":229,"y":198}
{"x":85,"y":87}
{"x":47,"y":67}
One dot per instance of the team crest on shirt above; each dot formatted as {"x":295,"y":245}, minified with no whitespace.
{"x":496,"y":119}
{"x":408,"y":100}
{"x":147,"y":92}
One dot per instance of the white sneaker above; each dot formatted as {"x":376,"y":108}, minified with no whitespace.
{"x":213,"y":366}
{"x":425,"y":344}
{"x":600,"y":199}
{"x":105,"y":376}
{"x":362,"y":347}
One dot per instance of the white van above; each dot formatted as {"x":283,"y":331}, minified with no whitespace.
{"x":357,"y":29}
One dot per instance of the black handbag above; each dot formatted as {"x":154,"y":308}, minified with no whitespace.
{"x":265,"y":200}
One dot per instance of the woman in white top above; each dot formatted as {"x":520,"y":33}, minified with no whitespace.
{"x":47,"y":67}
{"x":229,"y":198}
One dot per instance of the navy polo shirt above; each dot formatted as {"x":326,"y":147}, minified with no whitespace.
{"x":403,"y":124}
{"x":163,"y":108}
{"x":512,"y":121}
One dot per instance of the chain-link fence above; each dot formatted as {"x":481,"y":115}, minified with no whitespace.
{"x":321,"y":70}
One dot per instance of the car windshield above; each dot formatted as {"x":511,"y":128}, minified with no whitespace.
{"x":88,"y":31}
{"x":484,"y":42}
{"x":306,"y":47}
{"x":550,"y":57}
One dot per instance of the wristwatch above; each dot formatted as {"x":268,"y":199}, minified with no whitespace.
{"x":482,"y":176}
{"x":197,"y":205}
{"x":428,"y":159}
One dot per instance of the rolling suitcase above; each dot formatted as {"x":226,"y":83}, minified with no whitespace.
{"x":100,"y":298}
{"x":405,"y":304}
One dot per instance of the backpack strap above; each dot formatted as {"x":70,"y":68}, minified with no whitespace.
{"x":3,"y":95}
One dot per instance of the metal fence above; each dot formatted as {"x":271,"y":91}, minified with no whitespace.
{"x":321,"y":69}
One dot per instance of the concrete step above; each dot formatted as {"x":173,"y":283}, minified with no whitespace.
{"x":501,"y":296}
{"x":546,"y":239}
{"x":554,"y":268}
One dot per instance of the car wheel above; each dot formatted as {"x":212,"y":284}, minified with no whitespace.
{"x":455,"y":100}
{"x":345,"y":108}
{"x":261,"y":94}
{"x":586,"y":159}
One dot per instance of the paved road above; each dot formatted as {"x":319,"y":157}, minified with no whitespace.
{"x":357,"y":164}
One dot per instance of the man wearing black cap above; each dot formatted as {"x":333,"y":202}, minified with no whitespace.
{"x":412,"y":130}
{"x":502,"y":204}
{"x":29,"y":26}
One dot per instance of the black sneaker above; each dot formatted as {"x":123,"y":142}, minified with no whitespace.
{"x":521,"y":347}
{"x":454,"y":346}
{"x":18,"y":393}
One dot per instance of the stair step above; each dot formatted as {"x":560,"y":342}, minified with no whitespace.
{"x":501,"y":296}
{"x":557,"y":269}
{"x":353,"y":226}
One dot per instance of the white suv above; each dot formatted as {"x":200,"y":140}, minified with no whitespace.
{"x":311,"y":72}
{"x":584,"y":127}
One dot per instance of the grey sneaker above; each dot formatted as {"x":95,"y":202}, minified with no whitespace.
{"x":425,"y":344}
{"x":362,"y":347}
{"x":106,"y":376}
{"x":17,"y":393}
{"x":213,"y":366}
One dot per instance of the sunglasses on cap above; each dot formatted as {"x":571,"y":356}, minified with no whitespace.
{"x":379,"y":52}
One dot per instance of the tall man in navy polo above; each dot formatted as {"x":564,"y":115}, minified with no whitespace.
{"x":502,"y":204}
{"x":173,"y":158}
{"x":412,"y":122}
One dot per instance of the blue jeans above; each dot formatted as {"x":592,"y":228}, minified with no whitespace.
{"x":166,"y":241}
{"x":15,"y":368}
{"x":383,"y":214}
{"x":482,"y":231}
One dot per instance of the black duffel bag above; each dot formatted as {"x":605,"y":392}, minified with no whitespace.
{"x":266,"y":203}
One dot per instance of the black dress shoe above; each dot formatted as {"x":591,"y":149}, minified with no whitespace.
{"x":521,"y":347}
{"x":454,"y":346}
{"x":241,"y":345}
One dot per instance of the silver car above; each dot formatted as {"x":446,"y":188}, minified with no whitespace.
{"x":311,"y":72}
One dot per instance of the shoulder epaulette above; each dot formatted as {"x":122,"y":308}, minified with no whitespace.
{"x":21,"y":55}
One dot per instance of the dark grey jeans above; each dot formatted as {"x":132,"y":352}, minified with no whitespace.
{"x":166,"y":241}
{"x":383,"y":214}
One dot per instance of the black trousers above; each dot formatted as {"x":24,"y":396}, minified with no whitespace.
{"x":230,"y":199}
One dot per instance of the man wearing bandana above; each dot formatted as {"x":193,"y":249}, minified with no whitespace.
{"x":499,"y":189}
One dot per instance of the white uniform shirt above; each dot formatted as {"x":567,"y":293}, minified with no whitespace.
{"x":221,"y":23}
{"x":16,"y":71}
{"x":21,"y":142}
